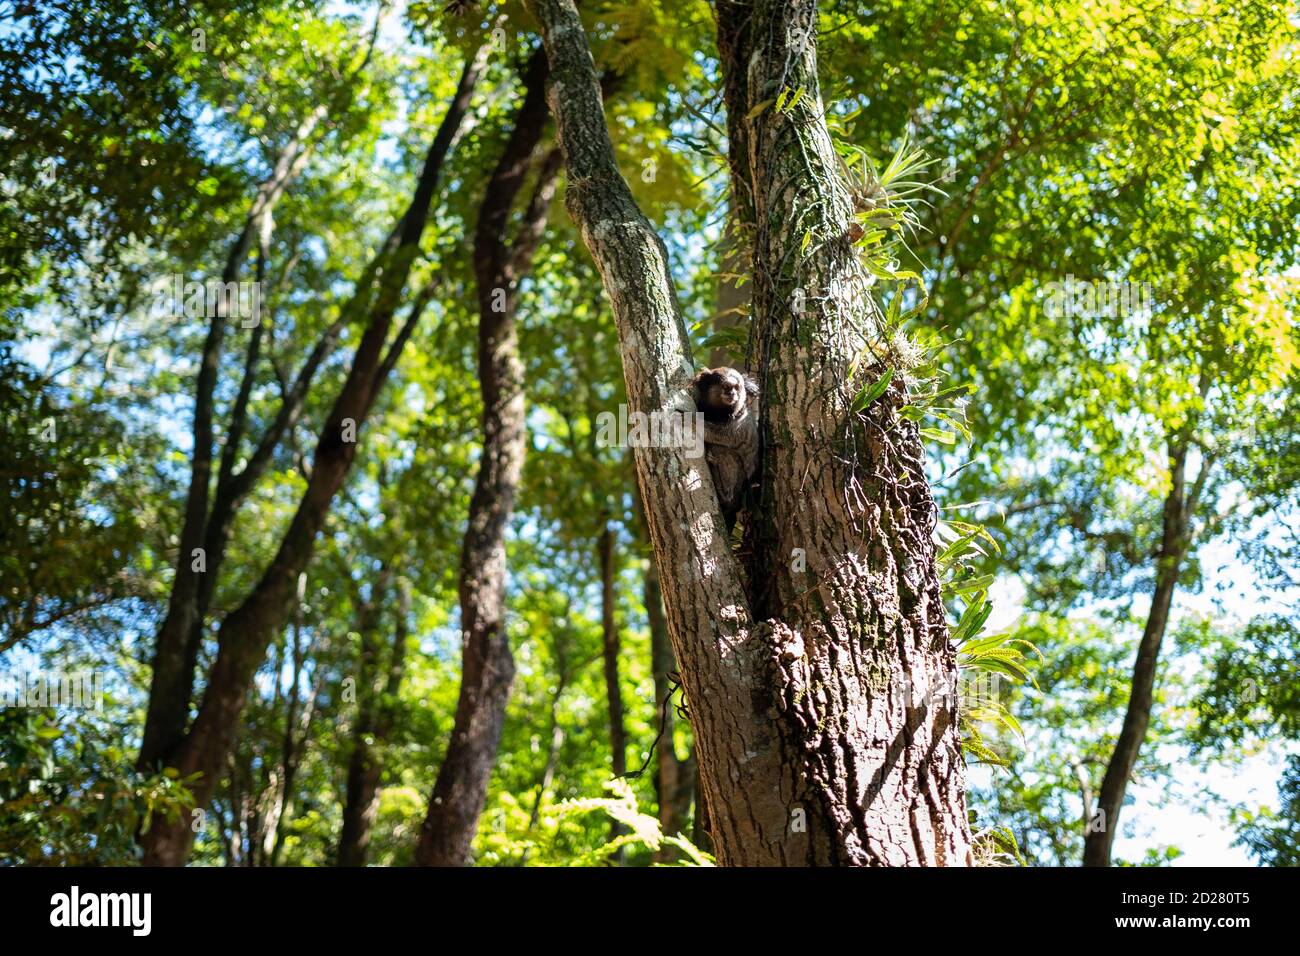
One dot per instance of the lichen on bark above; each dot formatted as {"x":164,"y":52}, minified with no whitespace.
{"x":813,"y":748}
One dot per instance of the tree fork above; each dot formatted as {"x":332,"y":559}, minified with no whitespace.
{"x":811,"y":748}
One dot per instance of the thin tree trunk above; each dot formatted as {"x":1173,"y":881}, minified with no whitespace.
{"x":363,"y":767}
{"x":556,"y":741}
{"x":609,"y":630}
{"x":555,"y":738}
{"x":282,"y":812}
{"x":278,"y":786}
{"x":487,"y":666}
{"x":181,"y":634}
{"x":172,"y":677}
{"x":1099,"y":834}
{"x":370,"y":735}
{"x":610,"y":650}
{"x":674,"y":778}
{"x":235,"y":853}
{"x":813,"y":746}
{"x":283,"y":787}
{"x":247,"y":631}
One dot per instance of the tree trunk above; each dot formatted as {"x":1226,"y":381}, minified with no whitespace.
{"x":555,"y":737}
{"x":171,"y":686}
{"x":1103,"y":819}
{"x":609,"y":651}
{"x":364,"y":767}
{"x":734,"y":302}
{"x":370,"y":735}
{"x":292,"y":752}
{"x":674,"y":778}
{"x":675,"y":781}
{"x":247,"y":631}
{"x":813,"y":746}
{"x":609,"y":630}
{"x":487,"y":666}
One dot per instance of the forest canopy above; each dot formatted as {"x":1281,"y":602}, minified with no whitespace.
{"x":365,"y":504}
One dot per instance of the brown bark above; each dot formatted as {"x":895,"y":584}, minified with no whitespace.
{"x":675,"y":781}
{"x":867,"y":679}
{"x":1103,"y":818}
{"x":487,"y":665}
{"x":812,"y":746}
{"x":247,"y":631}
{"x":674,"y":777}
{"x":733,"y":301}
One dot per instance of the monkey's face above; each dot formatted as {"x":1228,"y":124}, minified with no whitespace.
{"x":722,"y":395}
{"x":728,"y":392}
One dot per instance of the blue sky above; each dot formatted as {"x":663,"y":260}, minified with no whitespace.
{"x":1199,"y":828}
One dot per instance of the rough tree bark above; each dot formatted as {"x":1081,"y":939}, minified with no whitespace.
{"x":826,"y":729}
{"x":247,"y":631}
{"x":674,"y":777}
{"x":487,"y":665}
{"x":734,"y":304}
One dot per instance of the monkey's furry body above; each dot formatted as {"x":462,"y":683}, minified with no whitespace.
{"x":728,"y":400}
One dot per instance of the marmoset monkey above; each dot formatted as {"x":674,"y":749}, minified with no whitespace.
{"x":726,"y":397}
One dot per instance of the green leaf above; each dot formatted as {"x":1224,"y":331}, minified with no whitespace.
{"x":873,"y":391}
{"x":974,"y":584}
{"x":934,"y":434}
